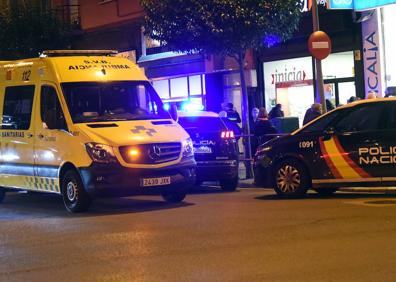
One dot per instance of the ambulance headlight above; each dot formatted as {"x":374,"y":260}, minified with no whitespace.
{"x":187,"y":147}
{"x":100,"y":153}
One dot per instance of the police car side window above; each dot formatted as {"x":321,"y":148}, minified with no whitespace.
{"x":17,"y":109}
{"x":365,"y":118}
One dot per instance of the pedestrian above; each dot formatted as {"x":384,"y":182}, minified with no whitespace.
{"x":262,"y":129}
{"x":276,"y":112}
{"x":329,"y":105}
{"x":255,"y":112}
{"x":230,"y":113}
{"x":312,"y":113}
{"x":231,"y":118}
{"x":352,"y":99}
{"x":371,"y":95}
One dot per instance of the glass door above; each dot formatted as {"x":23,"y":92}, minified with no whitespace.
{"x":339,"y":91}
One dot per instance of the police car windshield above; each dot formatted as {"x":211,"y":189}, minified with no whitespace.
{"x":207,"y":124}
{"x":112,"y":101}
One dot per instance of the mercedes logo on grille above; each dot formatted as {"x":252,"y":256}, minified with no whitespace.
{"x":154,"y":152}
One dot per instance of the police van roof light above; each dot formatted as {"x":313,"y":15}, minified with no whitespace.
{"x":190,"y":107}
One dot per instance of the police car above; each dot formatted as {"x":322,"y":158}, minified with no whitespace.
{"x":351,"y":146}
{"x":215,"y":147}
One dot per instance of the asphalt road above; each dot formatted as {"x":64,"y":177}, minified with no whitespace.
{"x":249,"y":235}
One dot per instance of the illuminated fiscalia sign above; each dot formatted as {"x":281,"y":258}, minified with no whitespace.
{"x":358,"y":5}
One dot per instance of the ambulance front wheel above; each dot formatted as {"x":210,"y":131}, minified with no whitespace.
{"x":290,"y":178}
{"x":2,"y":194}
{"x":74,"y":196}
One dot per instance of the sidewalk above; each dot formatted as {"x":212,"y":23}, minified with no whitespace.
{"x":243,"y":182}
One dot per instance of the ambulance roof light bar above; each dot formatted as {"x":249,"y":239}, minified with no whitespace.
{"x":62,"y":53}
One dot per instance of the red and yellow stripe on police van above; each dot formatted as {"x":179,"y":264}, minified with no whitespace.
{"x":339,"y":162}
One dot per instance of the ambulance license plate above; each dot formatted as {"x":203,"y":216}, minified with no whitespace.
{"x":147,"y":182}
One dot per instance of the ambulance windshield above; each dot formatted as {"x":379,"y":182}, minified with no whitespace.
{"x":113,"y":101}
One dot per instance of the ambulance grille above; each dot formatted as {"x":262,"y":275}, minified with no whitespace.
{"x":151,"y":153}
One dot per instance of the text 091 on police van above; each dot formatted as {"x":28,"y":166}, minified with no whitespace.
{"x":84,"y":124}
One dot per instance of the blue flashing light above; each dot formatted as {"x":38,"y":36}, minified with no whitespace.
{"x":271,"y":40}
{"x":166,"y":107}
{"x":190,"y":107}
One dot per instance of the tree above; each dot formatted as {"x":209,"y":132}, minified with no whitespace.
{"x":222,"y":27}
{"x":28,"y":27}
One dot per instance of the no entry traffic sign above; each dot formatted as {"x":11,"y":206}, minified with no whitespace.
{"x":319,"y":45}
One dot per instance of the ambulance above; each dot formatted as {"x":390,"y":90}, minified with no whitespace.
{"x":86,"y":123}
{"x":352,"y":147}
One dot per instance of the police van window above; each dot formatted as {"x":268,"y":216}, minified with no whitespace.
{"x":321,"y":124}
{"x":112,"y":101}
{"x":50,"y":107}
{"x":17,"y":110}
{"x":364,"y":118}
{"x":391,"y":117}
{"x":211,"y":124}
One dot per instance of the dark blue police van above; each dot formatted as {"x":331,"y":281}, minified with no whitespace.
{"x":215,"y":147}
{"x":351,"y":146}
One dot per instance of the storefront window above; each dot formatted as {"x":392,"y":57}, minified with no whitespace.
{"x":195,"y":85}
{"x":182,"y":89}
{"x":290,"y":82}
{"x":179,"y":87}
{"x":162,"y":88}
{"x":389,"y":23}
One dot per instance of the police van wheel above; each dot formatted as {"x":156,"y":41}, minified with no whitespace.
{"x":2,"y":194}
{"x":326,"y":191}
{"x":173,"y":197}
{"x":229,"y":185}
{"x":74,"y":196}
{"x":290,"y":179}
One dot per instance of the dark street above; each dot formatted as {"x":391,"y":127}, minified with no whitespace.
{"x":249,"y":235}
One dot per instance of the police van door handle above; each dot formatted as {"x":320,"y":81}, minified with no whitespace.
{"x":372,"y":142}
{"x":40,"y":136}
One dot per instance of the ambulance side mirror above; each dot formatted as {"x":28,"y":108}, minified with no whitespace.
{"x":173,"y":112}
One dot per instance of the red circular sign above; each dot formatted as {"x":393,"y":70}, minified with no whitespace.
{"x":319,"y":45}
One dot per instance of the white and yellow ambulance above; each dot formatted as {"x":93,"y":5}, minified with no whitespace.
{"x":87,"y":123}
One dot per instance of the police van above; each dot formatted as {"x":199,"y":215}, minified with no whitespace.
{"x":84,"y":124}
{"x":352,"y":146}
{"x":215,"y":147}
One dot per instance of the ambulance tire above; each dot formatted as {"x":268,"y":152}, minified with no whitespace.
{"x":74,"y":196}
{"x":290,"y":179}
{"x":229,"y":185}
{"x":326,"y":191}
{"x":174,"y":197}
{"x":2,"y":194}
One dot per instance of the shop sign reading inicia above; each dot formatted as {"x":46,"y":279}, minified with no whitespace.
{"x":358,"y":5}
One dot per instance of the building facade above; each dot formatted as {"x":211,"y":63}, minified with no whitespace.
{"x":286,"y":72}
{"x":282,"y":74}
{"x":205,"y":81}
